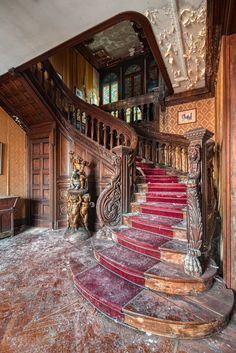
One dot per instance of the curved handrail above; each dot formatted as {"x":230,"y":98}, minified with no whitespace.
{"x":116,"y":140}
{"x":91,"y":121}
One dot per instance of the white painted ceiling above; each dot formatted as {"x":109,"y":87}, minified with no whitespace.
{"x":28,"y":28}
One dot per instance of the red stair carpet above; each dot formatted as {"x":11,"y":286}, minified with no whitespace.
{"x":139,"y":278}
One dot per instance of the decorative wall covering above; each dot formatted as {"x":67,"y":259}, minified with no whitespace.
{"x":13,"y":178}
{"x":205,"y":110}
{"x":180,"y":29}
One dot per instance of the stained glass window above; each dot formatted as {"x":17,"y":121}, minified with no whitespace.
{"x":114,"y":91}
{"x":106,"y":94}
{"x":110,"y":90}
{"x":128,"y":115}
{"x":137,"y":114}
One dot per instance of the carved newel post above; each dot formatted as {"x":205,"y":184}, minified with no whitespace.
{"x":197,"y":199}
{"x":78,"y":199}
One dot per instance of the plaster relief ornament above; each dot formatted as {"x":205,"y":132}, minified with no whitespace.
{"x":180,"y":30}
{"x":78,"y":200}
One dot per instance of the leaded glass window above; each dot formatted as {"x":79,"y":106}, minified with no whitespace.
{"x":110,"y":89}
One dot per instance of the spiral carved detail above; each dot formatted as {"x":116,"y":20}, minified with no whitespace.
{"x":109,"y":202}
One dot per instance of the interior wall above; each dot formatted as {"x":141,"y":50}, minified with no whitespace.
{"x":226,"y":146}
{"x":13,"y":178}
{"x":205,"y":117}
{"x":76,"y":72}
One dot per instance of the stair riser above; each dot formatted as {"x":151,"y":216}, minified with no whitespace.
{"x":172,"y":257}
{"x":159,"y":212}
{"x":153,"y":253}
{"x":166,"y":329}
{"x":150,"y":228}
{"x":121,"y":272}
{"x":144,"y":198}
{"x":157,"y":230}
{"x":176,"y":287}
{"x":173,"y":233}
{"x":161,"y":188}
{"x":166,"y":200}
{"x":162,"y":213}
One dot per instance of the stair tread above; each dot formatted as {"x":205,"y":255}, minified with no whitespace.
{"x":126,"y":301}
{"x":129,"y":259}
{"x":162,"y":205}
{"x":154,"y":219}
{"x":107,"y":286}
{"x":173,"y":308}
{"x":137,"y":235}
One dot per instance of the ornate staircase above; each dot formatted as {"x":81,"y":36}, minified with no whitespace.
{"x":154,"y":270}
{"x":139,"y":279}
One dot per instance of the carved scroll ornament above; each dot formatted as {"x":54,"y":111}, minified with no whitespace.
{"x":109,"y":201}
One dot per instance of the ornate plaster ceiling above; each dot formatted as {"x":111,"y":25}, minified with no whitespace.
{"x":115,"y":43}
{"x":180,"y":30}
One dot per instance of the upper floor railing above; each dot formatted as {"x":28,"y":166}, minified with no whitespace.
{"x":134,"y":109}
{"x":92,"y":122}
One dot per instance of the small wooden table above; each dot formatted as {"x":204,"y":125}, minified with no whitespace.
{"x":7,"y":205}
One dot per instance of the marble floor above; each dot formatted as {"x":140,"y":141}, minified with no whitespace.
{"x":41,"y":311}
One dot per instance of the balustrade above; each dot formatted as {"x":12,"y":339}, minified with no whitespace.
{"x":165,"y":149}
{"x":92,"y":122}
{"x":133,"y":110}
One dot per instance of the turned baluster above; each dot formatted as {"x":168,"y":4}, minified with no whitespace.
{"x":173,"y":156}
{"x":93,"y":129}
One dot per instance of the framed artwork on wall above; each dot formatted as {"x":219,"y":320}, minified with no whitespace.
{"x":1,"y":158}
{"x":79,"y":93}
{"x":187,"y":116}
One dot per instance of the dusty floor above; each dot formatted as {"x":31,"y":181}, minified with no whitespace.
{"x":41,"y":312}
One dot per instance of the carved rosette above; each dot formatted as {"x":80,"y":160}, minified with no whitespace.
{"x":109,"y":203}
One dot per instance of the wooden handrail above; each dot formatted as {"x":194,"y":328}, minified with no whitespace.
{"x":116,"y":140}
{"x":169,"y":150}
{"x":93,"y":122}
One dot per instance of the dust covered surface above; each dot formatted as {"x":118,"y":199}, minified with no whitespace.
{"x":42,"y":312}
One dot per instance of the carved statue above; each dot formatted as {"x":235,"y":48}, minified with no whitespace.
{"x":78,"y":198}
{"x":78,"y":178}
{"x":194,"y":153}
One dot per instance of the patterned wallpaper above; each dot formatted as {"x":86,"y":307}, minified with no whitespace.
{"x":13,"y":178}
{"x":205,"y":117}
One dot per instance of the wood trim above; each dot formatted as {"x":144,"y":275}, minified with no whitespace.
{"x":226,"y":167}
{"x":133,"y":16}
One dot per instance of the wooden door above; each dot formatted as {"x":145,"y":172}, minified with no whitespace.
{"x":40,"y":202}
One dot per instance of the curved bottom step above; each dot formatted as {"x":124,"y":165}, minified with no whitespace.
{"x":157,"y":313}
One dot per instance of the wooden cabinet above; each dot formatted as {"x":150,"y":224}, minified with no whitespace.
{"x":7,"y":205}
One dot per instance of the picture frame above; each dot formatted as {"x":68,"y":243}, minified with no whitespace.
{"x":79,"y":93}
{"x":1,"y":157}
{"x":187,"y":116}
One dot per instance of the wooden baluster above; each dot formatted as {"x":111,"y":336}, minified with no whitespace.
{"x":174,"y":156}
{"x":86,"y":124}
{"x":93,"y":129}
{"x":105,"y":136}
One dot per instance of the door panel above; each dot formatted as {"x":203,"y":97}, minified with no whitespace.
{"x":40,"y":183}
